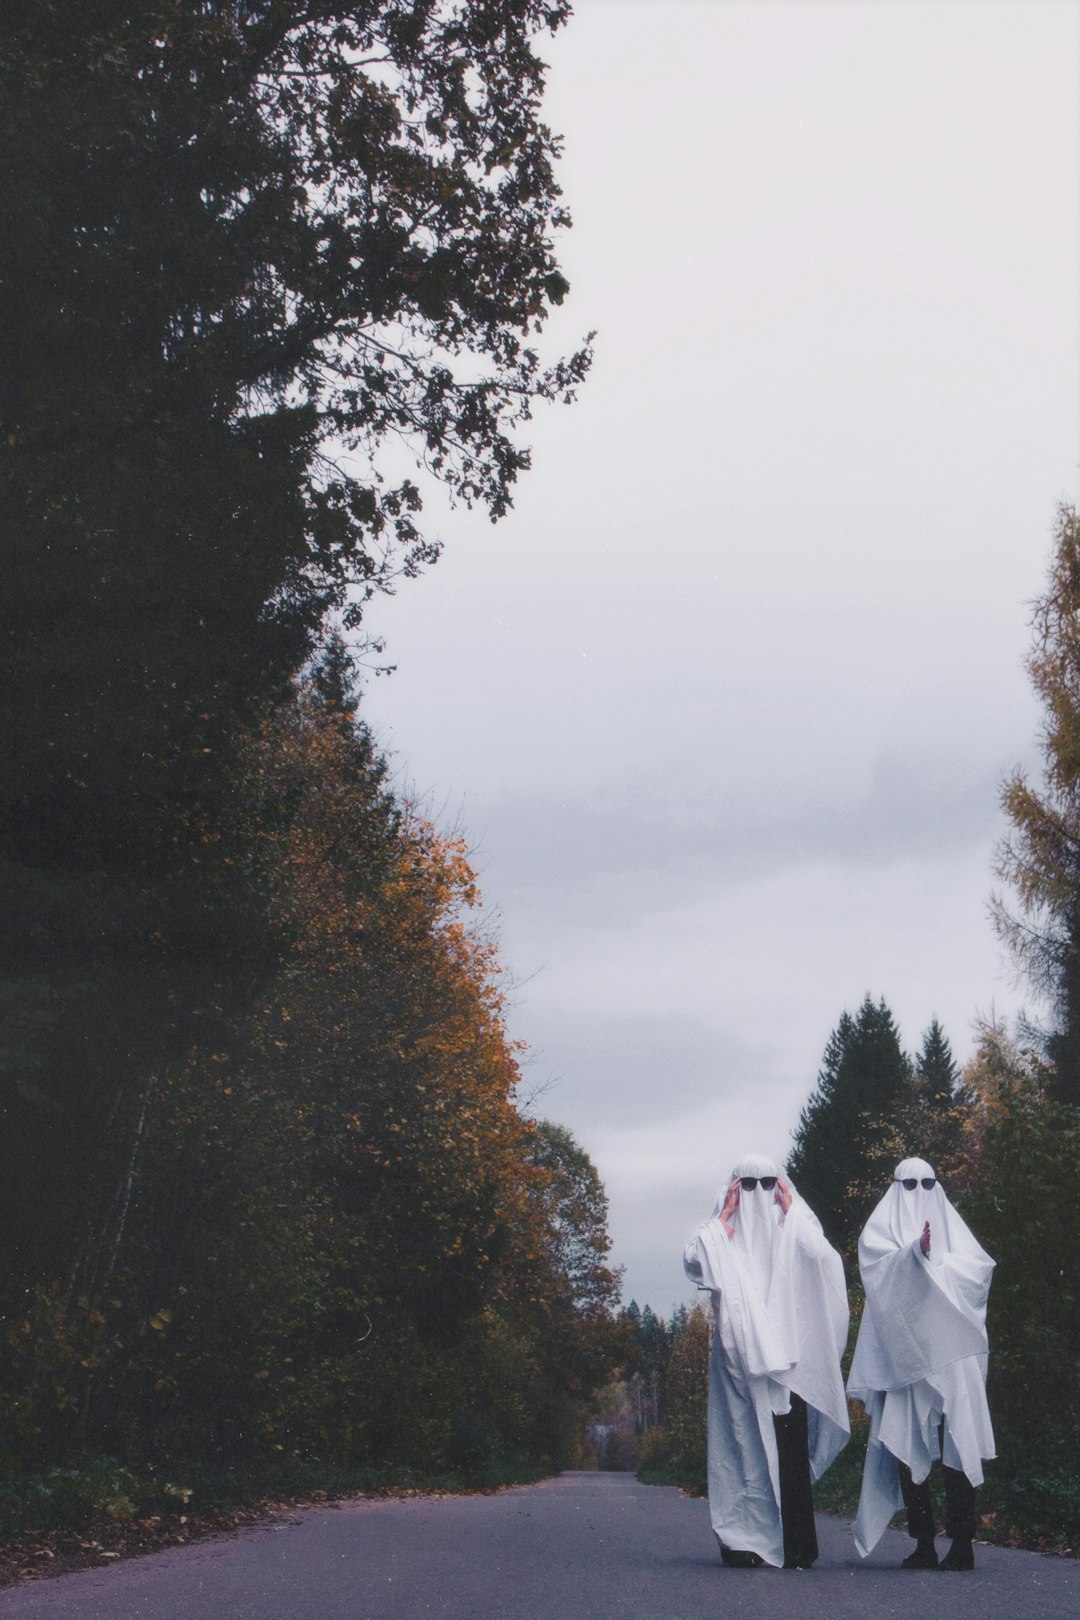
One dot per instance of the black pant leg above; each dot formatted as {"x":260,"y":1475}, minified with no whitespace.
{"x":796,"y":1496}
{"x":920,"y":1509}
{"x":959,"y":1506}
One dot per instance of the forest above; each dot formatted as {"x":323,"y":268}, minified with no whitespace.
{"x":273,"y":1214}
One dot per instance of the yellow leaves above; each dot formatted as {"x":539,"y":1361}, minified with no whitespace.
{"x":160,"y":1320}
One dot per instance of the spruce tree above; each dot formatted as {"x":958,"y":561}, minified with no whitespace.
{"x":863,"y":1080}
{"x":937,"y":1077}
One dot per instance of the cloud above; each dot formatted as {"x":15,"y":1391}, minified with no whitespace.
{"x":612,"y":859}
{"x":602,"y":1071}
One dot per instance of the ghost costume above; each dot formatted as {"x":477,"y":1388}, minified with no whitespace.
{"x":920,"y":1360}
{"x":780,"y":1322}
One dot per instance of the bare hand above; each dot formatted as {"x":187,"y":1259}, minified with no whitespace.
{"x":782,"y":1195}
{"x":731,"y":1204}
{"x":924,"y":1241}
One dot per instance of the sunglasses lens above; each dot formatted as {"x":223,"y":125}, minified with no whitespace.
{"x":768,"y":1183}
{"x":749,"y":1183}
{"x":909,"y":1184}
{"x":929,"y":1181}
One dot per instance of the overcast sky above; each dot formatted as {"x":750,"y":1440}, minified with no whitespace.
{"x":724,"y":706}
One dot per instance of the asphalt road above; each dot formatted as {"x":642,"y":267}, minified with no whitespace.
{"x":599,"y":1546}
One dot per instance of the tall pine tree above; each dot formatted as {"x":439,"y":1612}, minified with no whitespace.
{"x":937,"y":1077}
{"x":928,"y":1120}
{"x":863,"y":1080}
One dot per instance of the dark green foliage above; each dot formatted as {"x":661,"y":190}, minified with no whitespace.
{"x":1024,"y":1211}
{"x":688,"y":1397}
{"x":654,"y":1342}
{"x":864,"y":1078}
{"x":648,"y":1353}
{"x":248,"y":245}
{"x":267,"y":1201}
{"x":338,"y":1244}
{"x":937,"y":1078}
{"x":96,"y":1490}
{"x":930,"y":1120}
{"x":675,"y":1452}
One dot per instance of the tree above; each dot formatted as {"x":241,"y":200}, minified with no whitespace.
{"x":575,"y":1208}
{"x":930,"y":1118}
{"x":572,"y":1290}
{"x":340,"y":1240}
{"x":268,"y":232}
{"x":688,"y":1397}
{"x":937,"y":1077}
{"x":1040,"y":856}
{"x":253,"y":249}
{"x":655,"y":1346}
{"x":862,"y":1081}
{"x":1022,"y":1207}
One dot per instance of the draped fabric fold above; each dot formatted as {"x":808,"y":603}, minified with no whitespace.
{"x":780,"y":1321}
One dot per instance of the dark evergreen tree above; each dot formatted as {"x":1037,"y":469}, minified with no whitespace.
{"x":677,"y":1323}
{"x":649,"y":1345}
{"x":863,"y":1081}
{"x":928,"y":1119}
{"x":656,"y":1354}
{"x":937,"y":1077}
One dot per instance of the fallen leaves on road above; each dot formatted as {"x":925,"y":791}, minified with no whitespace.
{"x":57,"y":1552}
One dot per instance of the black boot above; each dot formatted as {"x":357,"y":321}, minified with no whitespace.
{"x":960,"y":1555}
{"x":924,"y":1557}
{"x":733,"y":1559}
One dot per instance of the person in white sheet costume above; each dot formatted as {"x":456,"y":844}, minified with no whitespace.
{"x":777,"y":1415}
{"x":920,"y":1366}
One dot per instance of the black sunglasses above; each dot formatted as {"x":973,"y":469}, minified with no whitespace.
{"x":910,"y":1183}
{"x":748,"y":1183}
